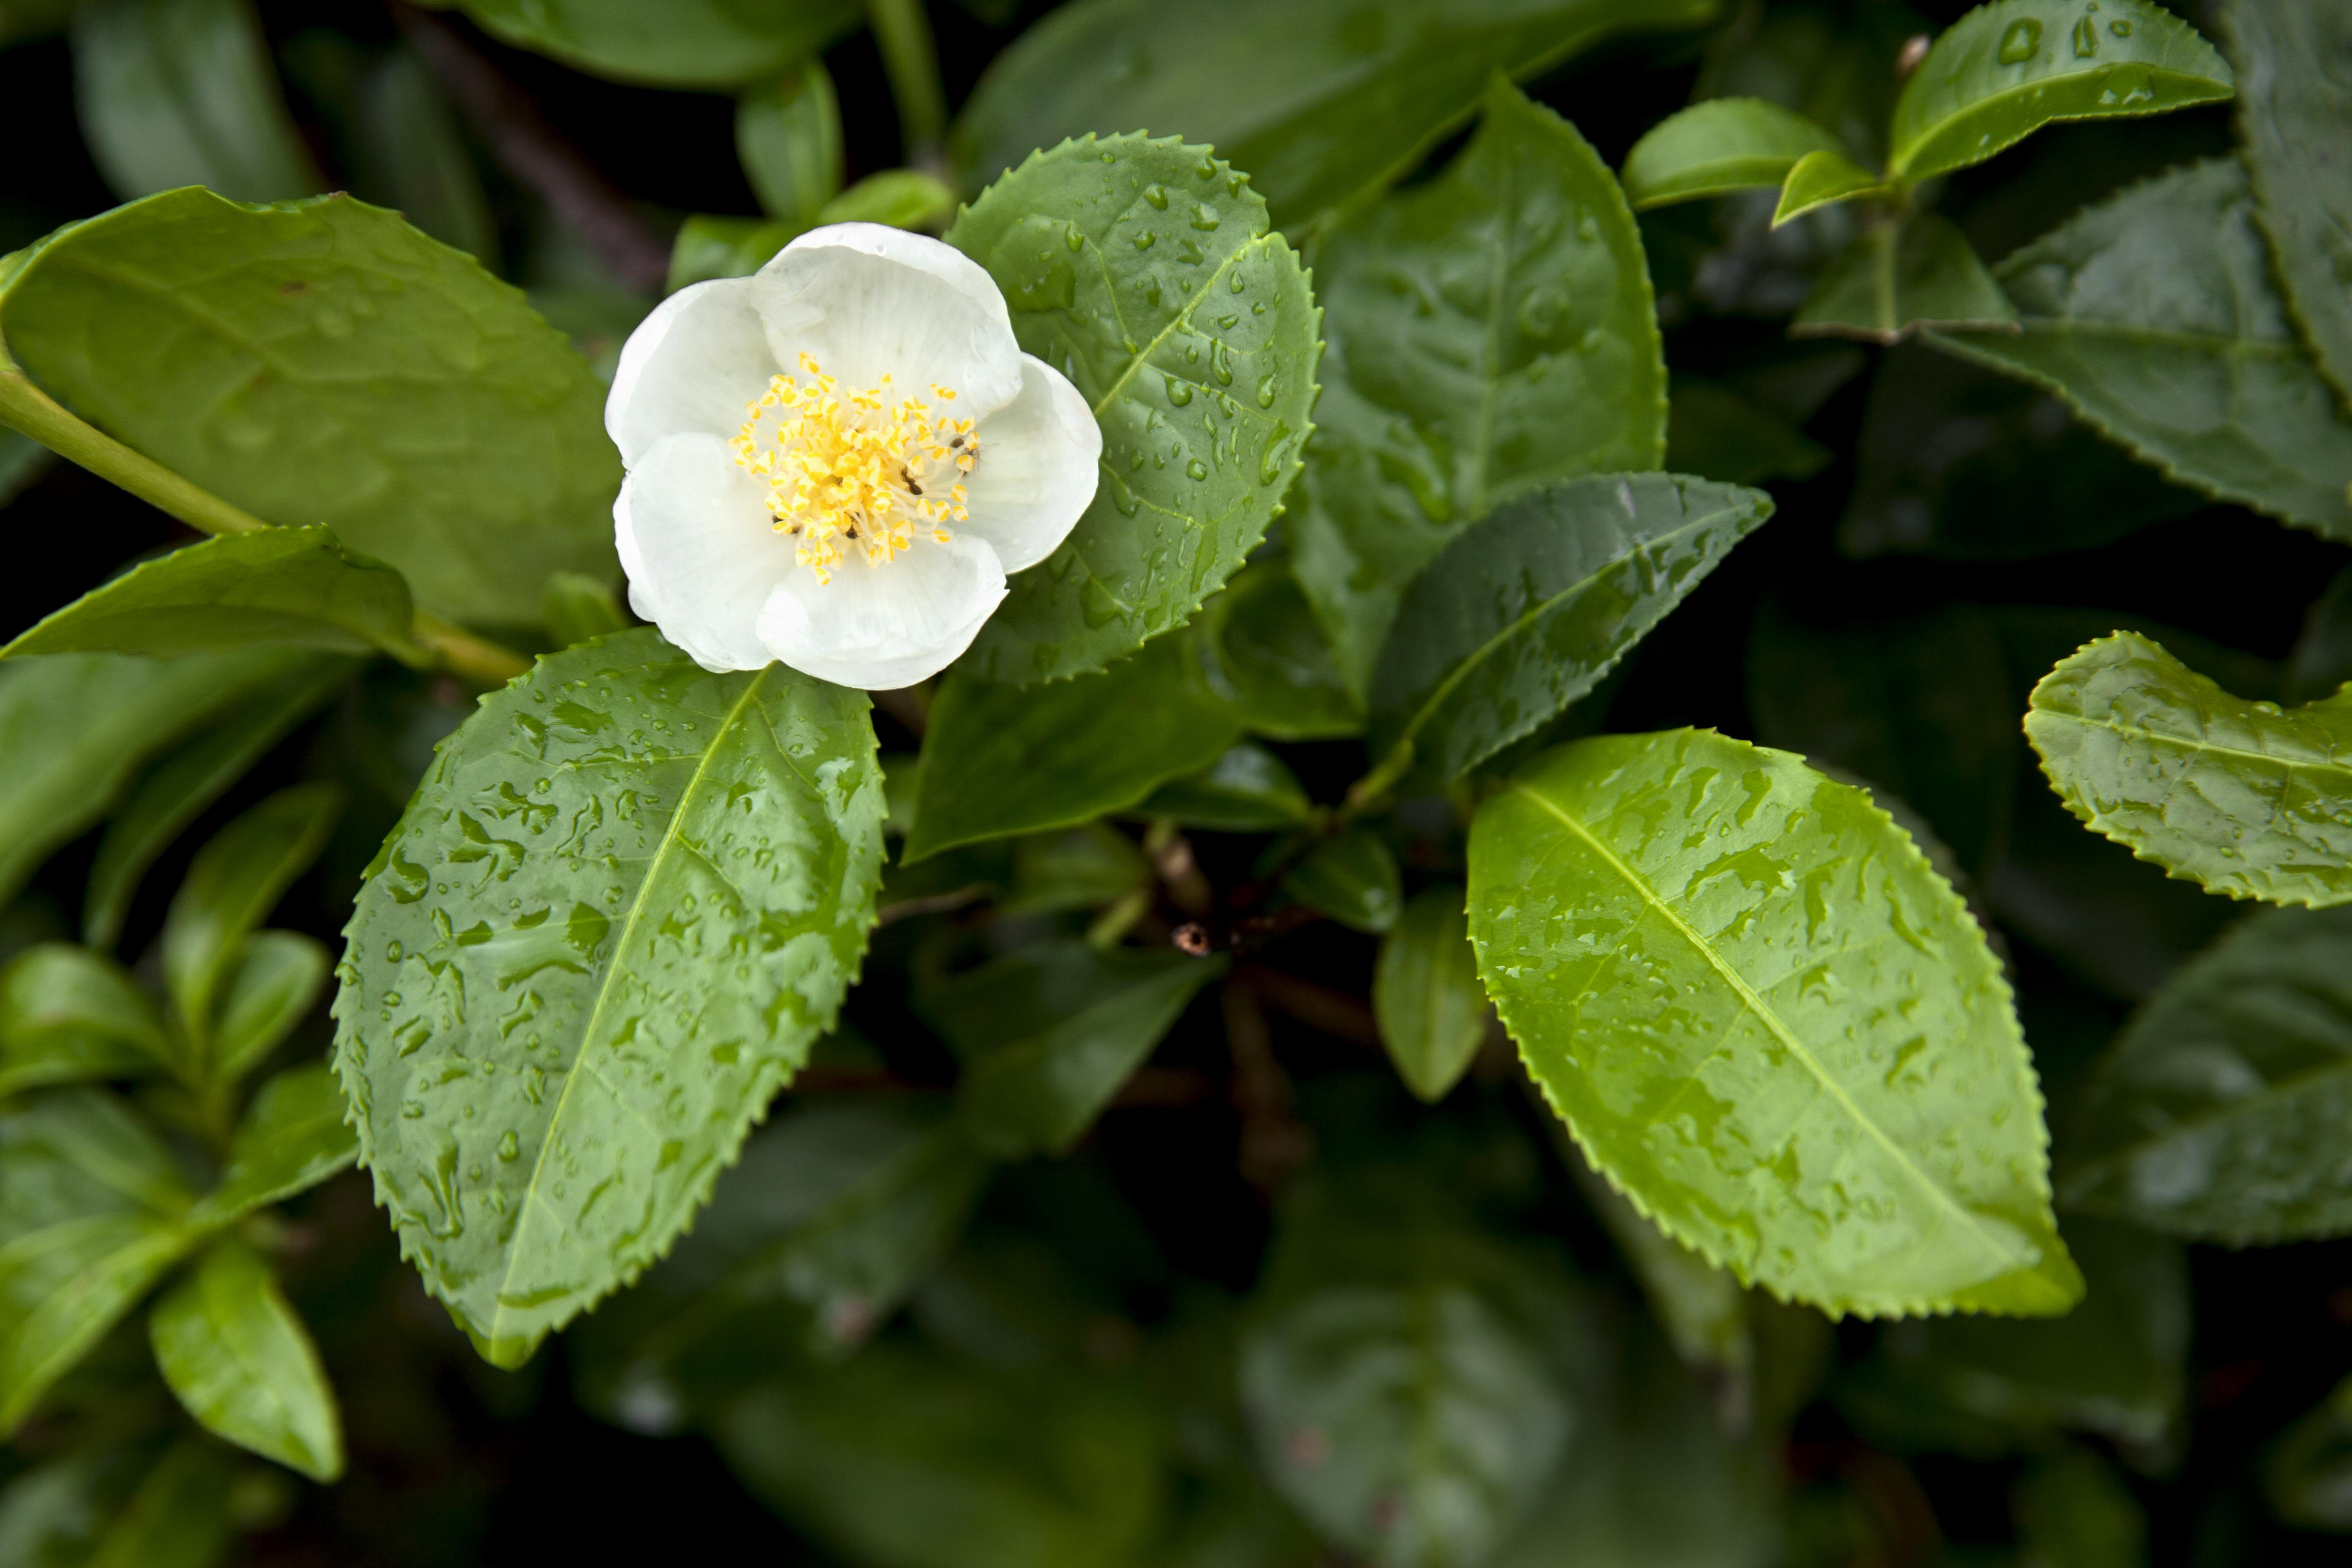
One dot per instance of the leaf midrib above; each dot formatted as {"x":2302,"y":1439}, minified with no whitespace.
{"x":2213,"y":1117}
{"x":2154,"y":738}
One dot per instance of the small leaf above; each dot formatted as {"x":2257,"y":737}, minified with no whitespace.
{"x":2304,"y":1475}
{"x":1426,"y":996}
{"x":903,"y":198}
{"x":1080,"y":867}
{"x":243,"y":1366}
{"x":1247,"y":790}
{"x":788,"y":139}
{"x":179,"y":1516}
{"x":2289,"y":119}
{"x":275,"y":985}
{"x":1352,"y":879}
{"x":1722,"y":144}
{"x":999,"y":760}
{"x":605,"y":838}
{"x":68,"y":1015}
{"x":1856,"y":1123}
{"x":52,"y":1514}
{"x":1701,"y":1309}
{"x":708,"y":247}
{"x":294,"y":1136}
{"x":237,"y":879}
{"x":670,"y":43}
{"x":409,"y":154}
{"x":1262,"y":651}
{"x":1147,"y":273}
{"x":1719,"y":433}
{"x":2076,"y":1509}
{"x":575,"y":607}
{"x":2005,"y":70}
{"x":1524,"y":611}
{"x":281,"y":587}
{"x":2237,"y":796}
{"x":1822,"y":179}
{"x":1899,"y":276}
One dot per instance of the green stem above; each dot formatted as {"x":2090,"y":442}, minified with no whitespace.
{"x":912,"y":56}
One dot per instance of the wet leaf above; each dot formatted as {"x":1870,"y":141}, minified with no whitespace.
{"x":1262,"y":651}
{"x":1899,"y":276}
{"x":295,"y":1136}
{"x":1722,"y":144}
{"x":669,"y":43}
{"x":2296,"y":59}
{"x":1822,"y":179}
{"x":788,"y":139}
{"x":243,"y":1366}
{"x":1426,"y":996}
{"x":1352,"y":877}
{"x":236,"y":881}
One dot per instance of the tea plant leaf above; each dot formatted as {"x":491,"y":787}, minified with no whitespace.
{"x":2005,"y":70}
{"x":1525,"y":610}
{"x":409,"y":154}
{"x":2154,"y":316}
{"x":1716,"y":432}
{"x":295,"y":1136}
{"x":622,"y":906}
{"x":234,"y":881}
{"x":1899,"y":276}
{"x":1426,"y":996}
{"x":1722,"y":144}
{"x":68,"y":1015}
{"x":322,"y":362}
{"x":669,"y":43}
{"x":179,"y":1516}
{"x":2236,"y":796}
{"x":1262,"y":651}
{"x":277,"y":979}
{"x":575,"y":607}
{"x":1147,"y":273}
{"x":1770,"y":1025}
{"x":243,"y":1366}
{"x":903,"y":198}
{"x":1819,"y":179}
{"x":2216,"y":1114}
{"x":1246,"y":790}
{"x":1490,"y":334}
{"x":788,"y":139}
{"x":2296,"y":60}
{"x":1352,"y":877}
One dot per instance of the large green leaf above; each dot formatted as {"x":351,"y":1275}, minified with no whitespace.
{"x":788,"y":139}
{"x":295,"y":1134}
{"x":1898,"y":275}
{"x":2004,"y":71}
{"x":1525,"y":610}
{"x":243,"y":1365}
{"x":1490,"y":334}
{"x":1426,"y":997}
{"x":2240,"y":797}
{"x":2298,"y":62}
{"x":68,"y":1015}
{"x":1770,"y":1023}
{"x":322,"y":362}
{"x":231,"y":887}
{"x":1318,"y":99}
{"x":623,"y":903}
{"x":1148,"y":272}
{"x":1723,"y":144}
{"x":999,"y":760}
{"x":670,"y":43}
{"x":2154,"y":316}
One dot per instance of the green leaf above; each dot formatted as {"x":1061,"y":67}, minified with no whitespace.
{"x":409,"y":154}
{"x":2289,"y":118}
{"x":2304,"y":1475}
{"x":1352,"y":879}
{"x":670,"y":43}
{"x":2074,"y":1511}
{"x":1899,"y":276}
{"x":24,"y":19}
{"x":1426,"y":996}
{"x":2005,"y":70}
{"x":2239,"y":797}
{"x":575,"y":607}
{"x":242,"y":1364}
{"x":1524,"y":611}
{"x":1822,"y":179}
{"x":1769,"y":1023}
{"x":276,"y":979}
{"x":322,"y":362}
{"x":708,"y":247}
{"x":281,"y":587}
{"x":1701,"y":1309}
{"x":68,"y":1015}
{"x":1147,"y":273}
{"x":1247,"y":790}
{"x":1723,"y":144}
{"x":2214,"y":1114}
{"x":1081,"y":868}
{"x":788,"y":139}
{"x":1490,"y":334}
{"x":236,"y":881}
{"x":1720,"y":433}
{"x":1318,"y":99}
{"x":295,"y":1136}
{"x":1001,"y":760}
{"x":22,"y":462}
{"x":1262,"y":651}
{"x":179,"y":1516}
{"x":2154,"y":316}
{"x":903,"y":198}
{"x":52,"y":1515}
{"x":181,"y":93}
{"x":605,"y":838}
{"x":1048,"y":1032}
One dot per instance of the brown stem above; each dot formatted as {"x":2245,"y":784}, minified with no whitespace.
{"x":1319,"y":1007}
{"x":1274,"y":1142}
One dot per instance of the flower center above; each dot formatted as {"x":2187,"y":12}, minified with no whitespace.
{"x":863,"y":470}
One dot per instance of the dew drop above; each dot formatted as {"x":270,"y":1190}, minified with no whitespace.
{"x":1265,"y":390}
{"x":1157,"y":195}
{"x":1180,"y":392}
{"x":1197,"y":468}
{"x":1071,"y":237}
{"x":1204,"y":216}
{"x":2086,"y":38}
{"x":1145,"y":240}
{"x":2023,"y":40}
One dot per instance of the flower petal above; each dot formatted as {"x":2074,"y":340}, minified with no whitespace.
{"x":701,"y":550}
{"x":695,"y":363}
{"x":880,"y":627}
{"x":1040,"y":458}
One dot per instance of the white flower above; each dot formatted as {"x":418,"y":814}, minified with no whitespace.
{"x":836,"y":461}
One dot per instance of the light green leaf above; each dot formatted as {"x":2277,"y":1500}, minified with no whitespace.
{"x":2236,"y":796}
{"x":179,"y":1516}
{"x":322,"y":362}
{"x":1351,"y":878}
{"x":1426,"y":996}
{"x":670,"y":43}
{"x":1001,"y":760}
{"x":236,"y":881}
{"x":243,"y":1366}
{"x":1899,"y":276}
{"x":1525,"y":610}
{"x":604,"y":839}
{"x":1262,"y":651}
{"x":1837,"y":1103}
{"x":576,"y":607}
{"x":1822,"y":179}
{"x":788,"y":139}
{"x":181,"y":93}
{"x":708,"y":247}
{"x":1490,"y":334}
{"x":1247,"y":790}
{"x":2154,"y":316}
{"x":903,"y":198}
{"x":2005,"y":70}
{"x":1147,"y":273}
{"x":1048,"y":1032}
{"x":1719,"y":433}
{"x":1318,"y":99}
{"x":68,"y":1015}
{"x":281,"y":587}
{"x":294,"y":1136}
{"x":276,"y":981}
{"x":1723,"y":144}
{"x":2296,"y":58}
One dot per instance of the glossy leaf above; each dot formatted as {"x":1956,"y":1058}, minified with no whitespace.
{"x":294,"y":1136}
{"x":1822,"y":179}
{"x":1720,"y":145}
{"x":2295,"y":60}
{"x":1525,"y":610}
{"x":1262,"y":651}
{"x":276,"y":981}
{"x":604,"y":840}
{"x":1900,"y":276}
{"x":2153,"y":314}
{"x":243,"y":1365}
{"x":2240,"y":797}
{"x":1246,"y":790}
{"x":1318,"y":99}
{"x":1351,"y":878}
{"x":669,"y":43}
{"x":2006,"y":70}
{"x":1491,"y":332}
{"x":999,"y":760}
{"x":69,"y":1015}
{"x":788,"y":138}
{"x":322,"y":362}
{"x":1426,"y":996}
{"x":236,"y":881}
{"x":282,"y":587}
{"x":1149,"y":273}
{"x":1769,"y":1023}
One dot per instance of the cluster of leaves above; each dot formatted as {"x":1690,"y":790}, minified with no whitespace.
{"x":1351,"y":714}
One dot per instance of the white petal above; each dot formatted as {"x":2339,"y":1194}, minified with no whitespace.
{"x":1040,"y":460}
{"x":867,"y":301}
{"x":880,"y":627}
{"x":695,"y":363}
{"x":701,"y":550}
